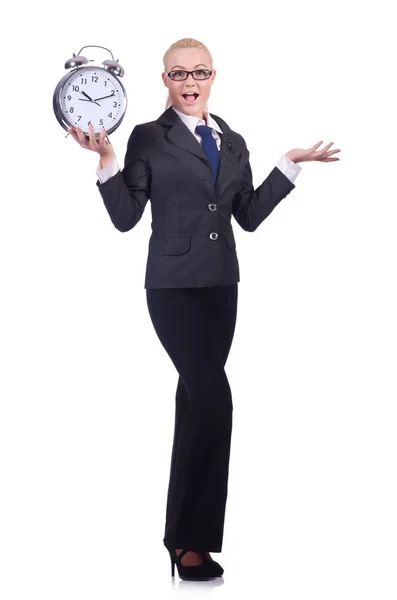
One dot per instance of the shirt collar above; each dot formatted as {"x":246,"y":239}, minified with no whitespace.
{"x":192,"y":122}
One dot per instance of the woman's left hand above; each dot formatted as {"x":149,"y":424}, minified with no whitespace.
{"x":301,"y":155}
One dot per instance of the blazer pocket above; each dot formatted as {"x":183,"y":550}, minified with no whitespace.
{"x":176,"y":245}
{"x":230,"y":241}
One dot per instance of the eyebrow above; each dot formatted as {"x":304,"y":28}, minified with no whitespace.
{"x":180,"y":67}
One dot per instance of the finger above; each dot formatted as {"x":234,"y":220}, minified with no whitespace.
{"x":100,"y":142}
{"x":81,"y":137}
{"x":91,"y":134}
{"x":72,"y":132}
{"x":327,"y":154}
{"x":323,"y":152}
{"x":319,"y":144}
{"x":102,"y":138}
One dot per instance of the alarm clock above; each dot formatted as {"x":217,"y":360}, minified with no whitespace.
{"x":90,"y":94}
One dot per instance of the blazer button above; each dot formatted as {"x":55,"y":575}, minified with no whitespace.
{"x":213,"y":236}
{"x":212,"y":207}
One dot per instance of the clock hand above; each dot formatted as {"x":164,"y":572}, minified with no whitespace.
{"x":110,"y":96}
{"x":85,"y":100}
{"x":87,"y":96}
{"x":90,"y":99}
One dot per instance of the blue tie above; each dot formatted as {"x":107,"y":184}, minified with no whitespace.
{"x":210,"y":147}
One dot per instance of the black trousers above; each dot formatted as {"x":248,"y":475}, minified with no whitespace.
{"x":196,"y":328}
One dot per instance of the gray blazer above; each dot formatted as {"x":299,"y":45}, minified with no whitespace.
{"x":192,"y":242}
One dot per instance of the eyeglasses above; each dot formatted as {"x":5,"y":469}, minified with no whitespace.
{"x":182,"y":75}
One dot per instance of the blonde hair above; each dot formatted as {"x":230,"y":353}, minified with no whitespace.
{"x":184,"y":43}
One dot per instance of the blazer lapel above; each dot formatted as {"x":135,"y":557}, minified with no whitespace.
{"x":180,"y":136}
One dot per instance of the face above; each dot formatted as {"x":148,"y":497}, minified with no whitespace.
{"x":189,"y":59}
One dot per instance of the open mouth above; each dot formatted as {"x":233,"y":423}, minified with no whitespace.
{"x":190,"y":98}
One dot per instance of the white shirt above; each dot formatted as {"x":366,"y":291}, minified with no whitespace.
{"x":286,"y":166}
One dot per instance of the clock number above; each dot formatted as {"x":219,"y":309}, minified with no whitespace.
{"x":83,"y":81}
{"x":94,"y":78}
{"x":71,"y":109}
{"x":75,"y":88}
{"x":89,"y":123}
{"x":69,"y":97}
{"x":79,"y":117}
{"x":114,"y":104}
{"x":113,"y":92}
{"x":100,"y":121}
{"x":110,"y":115}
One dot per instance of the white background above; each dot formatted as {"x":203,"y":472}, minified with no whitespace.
{"x":87,"y":390}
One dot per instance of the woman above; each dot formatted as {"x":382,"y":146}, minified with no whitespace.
{"x":196,"y":172}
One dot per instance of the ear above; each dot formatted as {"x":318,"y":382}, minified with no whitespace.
{"x":165,"y":79}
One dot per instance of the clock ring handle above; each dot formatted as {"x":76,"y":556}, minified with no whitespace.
{"x":112,"y":65}
{"x":94,"y":46}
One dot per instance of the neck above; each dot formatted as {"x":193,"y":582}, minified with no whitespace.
{"x":202,"y":116}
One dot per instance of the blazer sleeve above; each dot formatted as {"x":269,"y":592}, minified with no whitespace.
{"x":250,"y":206}
{"x":126,"y":193}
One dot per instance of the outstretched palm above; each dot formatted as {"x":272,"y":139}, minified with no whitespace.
{"x":304,"y":155}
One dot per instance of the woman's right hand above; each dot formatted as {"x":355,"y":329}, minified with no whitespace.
{"x":100,"y":145}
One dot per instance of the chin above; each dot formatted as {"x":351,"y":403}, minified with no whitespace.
{"x":187,"y":108}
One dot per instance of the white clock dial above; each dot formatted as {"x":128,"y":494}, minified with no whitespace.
{"x":94,"y":96}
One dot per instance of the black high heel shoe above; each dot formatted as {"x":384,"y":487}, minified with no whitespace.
{"x":213,"y":566}
{"x":195,"y":573}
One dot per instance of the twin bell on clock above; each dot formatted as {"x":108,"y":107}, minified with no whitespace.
{"x":90,"y":94}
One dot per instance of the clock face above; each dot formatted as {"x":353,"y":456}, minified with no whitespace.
{"x":93,"y":95}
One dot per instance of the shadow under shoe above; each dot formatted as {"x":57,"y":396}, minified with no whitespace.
{"x":196,"y":573}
